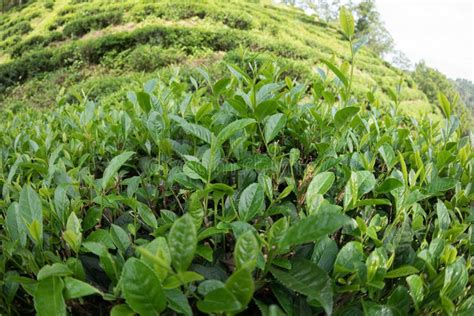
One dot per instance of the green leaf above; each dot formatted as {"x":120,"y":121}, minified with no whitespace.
{"x":233,"y":128}
{"x":344,"y":116}
{"x":265,"y":109}
{"x":401,"y":272}
{"x":241,"y":285}
{"x":388,"y":155}
{"x":56,"y":269}
{"x":239,"y":105}
{"x":73,"y":235}
{"x":120,"y":237}
{"x":195,"y":170}
{"x":336,"y":71}
{"x":178,"y":302}
{"x":313,"y":228}
{"x":277,"y":231}
{"x":456,"y":277}
{"x":388,"y":185}
{"x":48,"y":297}
{"x":219,"y":300}
{"x":208,"y":286}
{"x":14,"y":224}
{"x":76,"y":288}
{"x":141,"y":288}
{"x":251,"y":202}
{"x":415,"y":283}
{"x":399,"y":301}
{"x":182,"y":240}
{"x":360,"y":183}
{"x":205,"y":251}
{"x":147,"y":215}
{"x":157,"y":255}
{"x":350,"y":255}
{"x":273,"y":126}
{"x":440,"y":185}
{"x":246,"y":251}
{"x":373,"y":202}
{"x":196,"y":130}
{"x":445,"y":104}
{"x":114,"y":166}
{"x":347,"y":22}
{"x":122,"y":310}
{"x":181,"y":278}
{"x":256,"y":162}
{"x":361,"y":42}
{"x":144,"y":101}
{"x":325,"y":253}
{"x":31,"y":211}
{"x":307,"y":278}
{"x":238,"y":73}
{"x":320,"y":184}
{"x":443,"y":215}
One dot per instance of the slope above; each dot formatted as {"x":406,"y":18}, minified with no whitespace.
{"x":99,"y":48}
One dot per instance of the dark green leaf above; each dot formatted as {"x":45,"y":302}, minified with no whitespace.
{"x":76,"y":288}
{"x":219,"y":300}
{"x":345,"y":115}
{"x":141,"y":288}
{"x":313,"y":228}
{"x":241,"y":285}
{"x":48,"y":297}
{"x":182,"y":240}
{"x":307,"y":278}
{"x":114,"y":166}
{"x":251,"y":202}
{"x":246,"y":251}
{"x":273,"y":126}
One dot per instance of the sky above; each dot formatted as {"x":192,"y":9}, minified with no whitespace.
{"x":441,"y":32}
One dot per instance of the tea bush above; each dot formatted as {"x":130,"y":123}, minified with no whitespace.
{"x":252,"y":193}
{"x":148,"y":58}
{"x":17,"y":29}
{"x":84,"y":25}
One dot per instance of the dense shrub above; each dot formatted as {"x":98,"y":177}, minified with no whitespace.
{"x":34,"y":42}
{"x":149,"y":58}
{"x":92,"y":50}
{"x":49,"y":5}
{"x":178,"y":11}
{"x":81,"y":26}
{"x":17,"y":29}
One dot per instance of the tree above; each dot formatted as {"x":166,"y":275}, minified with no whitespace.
{"x":400,"y":60}
{"x":371,"y":25}
{"x":7,"y":4}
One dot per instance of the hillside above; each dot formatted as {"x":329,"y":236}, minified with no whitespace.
{"x":101,"y":47}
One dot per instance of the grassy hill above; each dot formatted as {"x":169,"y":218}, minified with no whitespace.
{"x":100,"y":47}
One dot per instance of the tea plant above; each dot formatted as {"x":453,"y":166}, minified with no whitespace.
{"x":253,"y":193}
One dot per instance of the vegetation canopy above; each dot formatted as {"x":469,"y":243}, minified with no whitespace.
{"x":247,"y":193}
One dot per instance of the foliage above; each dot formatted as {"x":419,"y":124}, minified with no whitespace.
{"x":370,"y":24}
{"x":431,"y":81}
{"x":466,"y":92}
{"x":84,"y":25}
{"x":250,"y":193}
